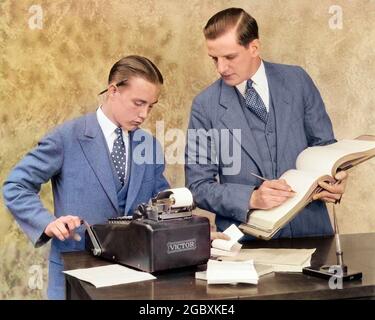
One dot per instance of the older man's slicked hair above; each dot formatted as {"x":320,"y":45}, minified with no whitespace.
{"x":223,"y":21}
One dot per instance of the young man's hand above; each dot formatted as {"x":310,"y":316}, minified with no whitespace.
{"x":63,"y":228}
{"x":218,"y":235}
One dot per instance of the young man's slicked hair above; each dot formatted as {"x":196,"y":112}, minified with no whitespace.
{"x":223,"y":21}
{"x":135,"y":66}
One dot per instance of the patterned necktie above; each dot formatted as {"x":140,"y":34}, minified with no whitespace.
{"x":254,"y":102}
{"x":118,"y":156}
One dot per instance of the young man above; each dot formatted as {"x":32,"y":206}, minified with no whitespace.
{"x":279,"y":113}
{"x":93,"y":165}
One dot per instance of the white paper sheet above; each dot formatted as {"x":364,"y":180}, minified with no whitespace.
{"x":259,"y":268}
{"x":229,"y":272}
{"x":110,"y":275}
{"x":282,"y":260}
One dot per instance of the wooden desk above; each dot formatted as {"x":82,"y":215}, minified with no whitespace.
{"x":359,"y":254}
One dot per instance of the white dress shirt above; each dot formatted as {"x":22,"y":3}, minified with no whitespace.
{"x":260,"y":84}
{"x":108,"y":129}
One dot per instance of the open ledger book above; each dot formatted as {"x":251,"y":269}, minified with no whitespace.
{"x":314,"y":164}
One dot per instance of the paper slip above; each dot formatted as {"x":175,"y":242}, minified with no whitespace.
{"x":259,"y":268}
{"x":229,"y":272}
{"x":110,"y":275}
{"x":221,"y":247}
{"x":282,"y":260}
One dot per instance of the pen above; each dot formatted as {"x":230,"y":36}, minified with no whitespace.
{"x":260,"y":177}
{"x":264,"y":179}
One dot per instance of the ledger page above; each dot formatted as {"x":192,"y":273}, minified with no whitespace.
{"x":300,"y":182}
{"x":323,"y":158}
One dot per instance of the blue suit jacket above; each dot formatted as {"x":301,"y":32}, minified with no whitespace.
{"x":301,"y":121}
{"x":75,"y":158}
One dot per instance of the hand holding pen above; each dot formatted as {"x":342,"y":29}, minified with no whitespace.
{"x":270,"y":194}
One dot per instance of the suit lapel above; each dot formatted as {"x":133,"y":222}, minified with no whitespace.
{"x":96,"y":153}
{"x":281,"y":99}
{"x":233,"y":118}
{"x":136,"y":176}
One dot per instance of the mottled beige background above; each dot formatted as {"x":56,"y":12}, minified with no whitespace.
{"x":53,"y":74}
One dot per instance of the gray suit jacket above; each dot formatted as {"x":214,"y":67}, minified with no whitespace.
{"x":301,"y":121}
{"x":75,"y":158}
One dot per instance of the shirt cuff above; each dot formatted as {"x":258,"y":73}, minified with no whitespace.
{"x":42,"y":240}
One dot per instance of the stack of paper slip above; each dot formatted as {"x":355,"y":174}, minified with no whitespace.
{"x":281,"y":260}
{"x":229,"y":272}
{"x":110,"y":275}
{"x":260,"y":269}
{"x":221,"y":247}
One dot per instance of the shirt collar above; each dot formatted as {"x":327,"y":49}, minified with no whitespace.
{"x":108,"y":127}
{"x":259,"y":78}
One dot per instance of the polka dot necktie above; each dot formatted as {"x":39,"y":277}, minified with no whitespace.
{"x":118,"y":156}
{"x":254,"y":102}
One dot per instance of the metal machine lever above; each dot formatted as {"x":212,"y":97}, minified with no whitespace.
{"x":96,"y":250}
